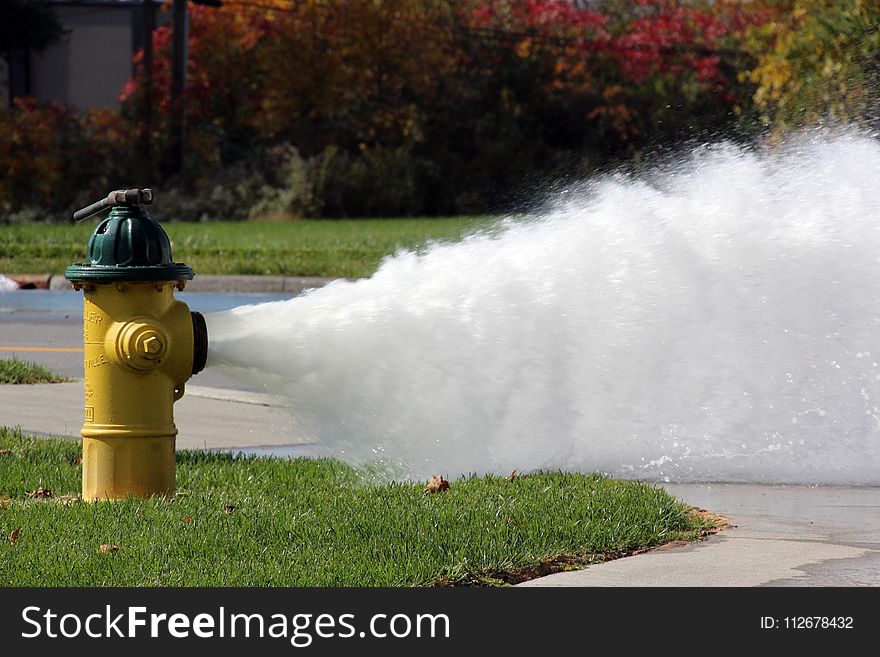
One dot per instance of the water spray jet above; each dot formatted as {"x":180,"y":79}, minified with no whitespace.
{"x":721,"y":323}
{"x":141,"y":345}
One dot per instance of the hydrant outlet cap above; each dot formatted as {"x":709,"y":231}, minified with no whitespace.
{"x":129,"y":245}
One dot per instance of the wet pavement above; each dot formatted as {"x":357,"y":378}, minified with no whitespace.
{"x":783,"y":536}
{"x":206,"y":418}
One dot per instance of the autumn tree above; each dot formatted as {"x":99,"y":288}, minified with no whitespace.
{"x":71,"y":158}
{"x":415,"y":106}
{"x":816,"y":59}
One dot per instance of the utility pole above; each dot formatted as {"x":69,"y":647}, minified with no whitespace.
{"x":147,"y":26}
{"x":180,"y":38}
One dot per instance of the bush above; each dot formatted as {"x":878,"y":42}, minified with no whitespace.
{"x":57,"y":160}
{"x":275,"y":183}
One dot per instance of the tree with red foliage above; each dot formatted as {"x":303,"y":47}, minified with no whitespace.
{"x":224,"y":86}
{"x":490,"y":90}
{"x":70,"y":159}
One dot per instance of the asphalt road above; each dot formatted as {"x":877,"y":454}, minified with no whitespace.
{"x":53,"y":339}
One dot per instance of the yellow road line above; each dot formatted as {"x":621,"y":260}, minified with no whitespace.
{"x":52,"y":349}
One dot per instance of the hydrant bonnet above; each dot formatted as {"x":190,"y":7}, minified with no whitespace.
{"x":129,"y":245}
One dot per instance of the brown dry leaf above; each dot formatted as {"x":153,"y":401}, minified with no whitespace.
{"x":512,"y":475}
{"x":13,"y":537}
{"x":437,"y":485}
{"x":5,"y":452}
{"x":228,"y":509}
{"x":40,"y":493}
{"x":107,"y":548}
{"x":76,"y":461}
{"x":188,"y":519}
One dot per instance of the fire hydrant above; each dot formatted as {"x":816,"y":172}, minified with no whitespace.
{"x":141,"y":345}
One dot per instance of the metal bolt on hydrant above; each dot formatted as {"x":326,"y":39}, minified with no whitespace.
{"x":141,"y":345}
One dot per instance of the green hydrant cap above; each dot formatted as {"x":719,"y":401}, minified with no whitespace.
{"x":129,"y":245}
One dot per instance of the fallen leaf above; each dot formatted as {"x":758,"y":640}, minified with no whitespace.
{"x":5,"y":452}
{"x":512,"y":475}
{"x":228,"y":509}
{"x":188,"y":519}
{"x":13,"y":537}
{"x":106,"y":548}
{"x":76,"y":461}
{"x":436,"y":485}
{"x":40,"y":493}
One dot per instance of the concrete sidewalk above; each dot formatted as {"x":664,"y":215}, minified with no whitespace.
{"x":783,"y":536}
{"x":205,"y":417}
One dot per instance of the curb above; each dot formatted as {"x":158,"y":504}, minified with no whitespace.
{"x":30,"y":281}
{"x":235,"y":284}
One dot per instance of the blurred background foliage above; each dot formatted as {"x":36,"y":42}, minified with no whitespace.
{"x":419,"y":107}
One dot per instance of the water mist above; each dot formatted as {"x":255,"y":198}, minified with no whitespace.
{"x":721,"y":323}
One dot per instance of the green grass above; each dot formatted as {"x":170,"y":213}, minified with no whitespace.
{"x":349,"y":248}
{"x":20,"y":371}
{"x":314,"y":523}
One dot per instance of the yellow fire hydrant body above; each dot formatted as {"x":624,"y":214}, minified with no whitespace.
{"x":138,"y":345}
{"x":141,"y":345}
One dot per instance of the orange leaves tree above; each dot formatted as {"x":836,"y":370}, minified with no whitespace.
{"x":575,"y":86}
{"x":52,"y":158}
{"x":354,"y":74}
{"x":225,"y":81}
{"x":343,"y":82}
{"x":321,"y":73}
{"x":816,"y":59}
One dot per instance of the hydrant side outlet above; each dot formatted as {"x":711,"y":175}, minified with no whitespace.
{"x":141,"y":345}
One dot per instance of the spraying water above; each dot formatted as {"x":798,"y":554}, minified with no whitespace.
{"x":719,"y":324}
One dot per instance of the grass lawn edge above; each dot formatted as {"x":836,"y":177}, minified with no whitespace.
{"x":714,"y":524}
{"x":511,"y":520}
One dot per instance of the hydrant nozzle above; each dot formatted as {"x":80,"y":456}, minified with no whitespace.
{"x":141,"y":345}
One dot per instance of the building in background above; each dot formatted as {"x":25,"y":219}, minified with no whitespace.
{"x":92,"y":61}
